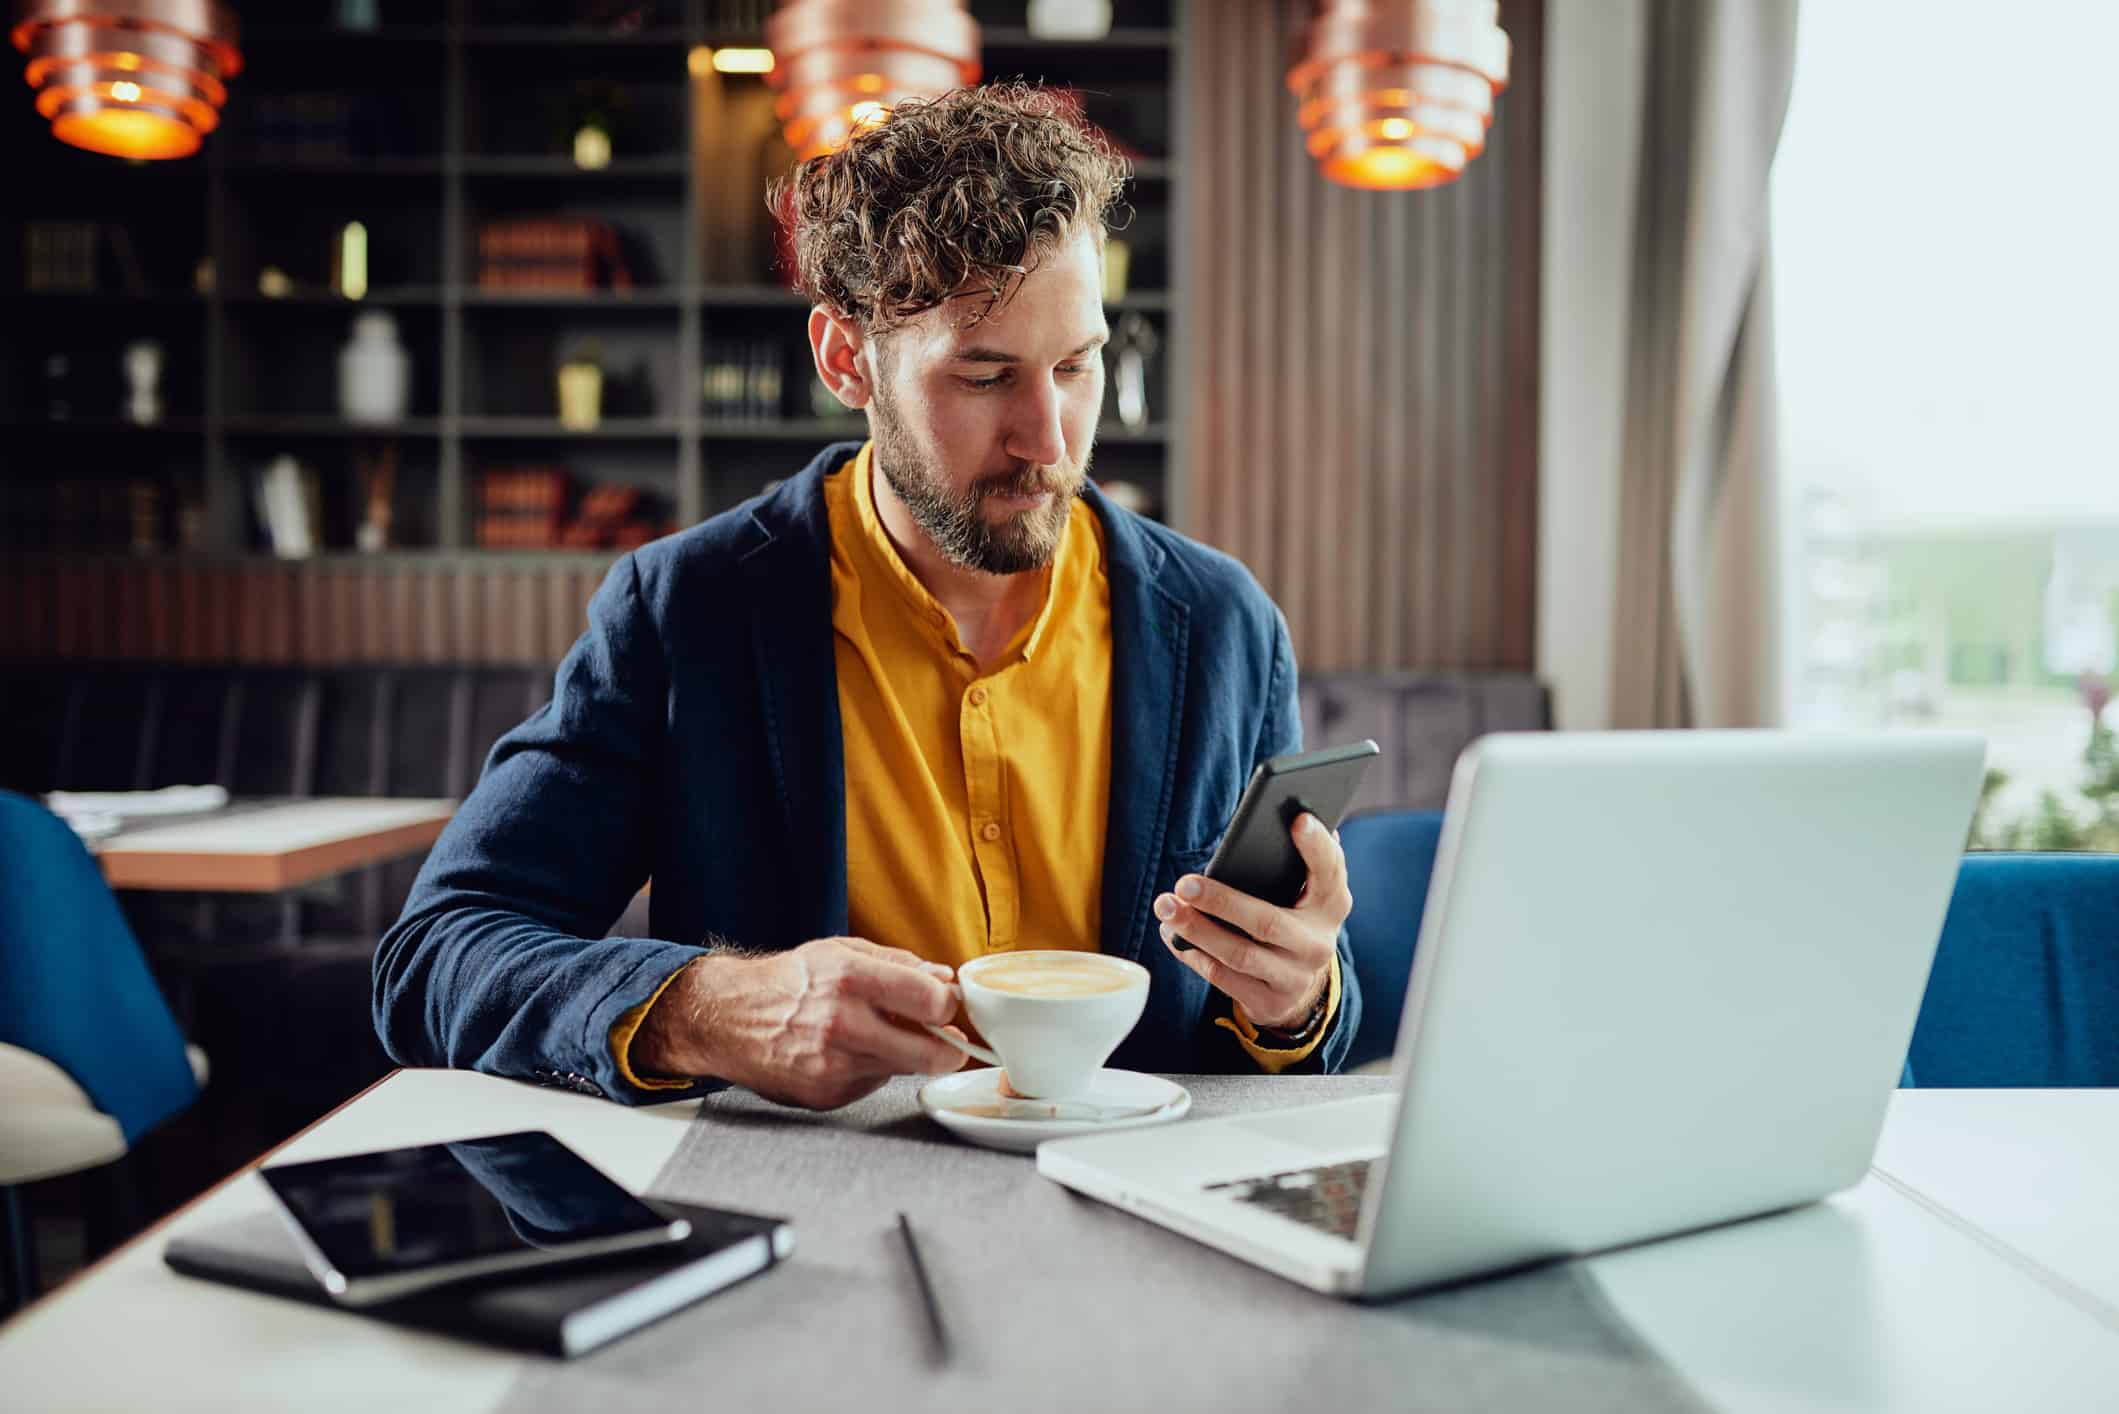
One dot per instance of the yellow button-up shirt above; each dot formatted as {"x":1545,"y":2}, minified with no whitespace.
{"x":976,"y":797}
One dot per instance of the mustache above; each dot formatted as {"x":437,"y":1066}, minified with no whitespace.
{"x":1031,"y":481}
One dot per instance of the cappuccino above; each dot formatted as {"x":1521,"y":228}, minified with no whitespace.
{"x":1048,"y":974}
{"x":1053,"y":1017}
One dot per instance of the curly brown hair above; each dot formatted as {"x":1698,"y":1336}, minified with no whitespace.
{"x":973,"y":187}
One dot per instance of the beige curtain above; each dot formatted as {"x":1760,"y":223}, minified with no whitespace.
{"x":1359,"y":393}
{"x":1696,"y":596}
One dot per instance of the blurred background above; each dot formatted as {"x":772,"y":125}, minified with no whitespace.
{"x":1712,"y":385}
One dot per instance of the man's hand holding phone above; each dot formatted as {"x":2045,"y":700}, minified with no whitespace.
{"x":1279,"y":972}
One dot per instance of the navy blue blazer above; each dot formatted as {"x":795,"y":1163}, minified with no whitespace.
{"x":693,"y":736}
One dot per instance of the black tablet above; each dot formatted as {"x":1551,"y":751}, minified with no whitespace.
{"x":384,"y":1224}
{"x":1257,"y":854}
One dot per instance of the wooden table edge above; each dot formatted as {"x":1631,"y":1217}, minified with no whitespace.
{"x":218,"y":872}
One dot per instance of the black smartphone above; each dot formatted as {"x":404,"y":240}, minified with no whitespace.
{"x":380,"y":1225}
{"x":1257,"y":853}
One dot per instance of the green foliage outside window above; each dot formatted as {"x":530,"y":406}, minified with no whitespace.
{"x":2054,"y":823}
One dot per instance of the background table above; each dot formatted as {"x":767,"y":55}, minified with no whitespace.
{"x":1871,"y":1300}
{"x":263,"y":848}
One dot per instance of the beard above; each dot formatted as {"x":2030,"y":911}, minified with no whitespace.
{"x":956,"y":520}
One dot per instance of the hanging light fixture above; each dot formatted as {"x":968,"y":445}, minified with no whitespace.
{"x":841,"y":64}
{"x":131,"y":78}
{"x":1396,"y":94}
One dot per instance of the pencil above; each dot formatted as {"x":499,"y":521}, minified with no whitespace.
{"x":919,"y":1272}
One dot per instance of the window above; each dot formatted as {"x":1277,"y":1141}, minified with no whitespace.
{"x":1946,"y":272}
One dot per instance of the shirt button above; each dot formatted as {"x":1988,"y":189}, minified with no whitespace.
{"x":989,"y":832}
{"x":978,"y":697}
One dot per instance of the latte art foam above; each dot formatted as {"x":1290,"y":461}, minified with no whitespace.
{"x":1085,"y":976}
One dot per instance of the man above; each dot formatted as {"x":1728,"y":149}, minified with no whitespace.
{"x":931,"y":698}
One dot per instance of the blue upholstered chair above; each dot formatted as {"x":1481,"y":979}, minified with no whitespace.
{"x":90,"y":1058}
{"x":2025,"y":990}
{"x":1389,"y":855}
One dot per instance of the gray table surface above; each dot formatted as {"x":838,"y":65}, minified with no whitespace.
{"x":1054,"y":1301}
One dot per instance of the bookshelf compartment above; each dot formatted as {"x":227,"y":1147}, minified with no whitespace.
{"x":114,"y":231}
{"x":531,"y":101}
{"x":281,"y":116}
{"x":283,"y":361}
{"x":344,"y":469}
{"x":65,"y":358}
{"x":110,"y":486}
{"x":293,"y":222}
{"x":527,"y":495}
{"x":512,"y":359}
{"x":566,"y":239}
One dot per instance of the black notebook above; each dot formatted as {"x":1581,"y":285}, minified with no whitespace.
{"x":561,"y":1311}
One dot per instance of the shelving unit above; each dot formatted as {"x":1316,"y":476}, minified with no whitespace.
{"x":455,"y":124}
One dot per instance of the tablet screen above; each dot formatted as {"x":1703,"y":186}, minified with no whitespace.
{"x":401,"y":1210}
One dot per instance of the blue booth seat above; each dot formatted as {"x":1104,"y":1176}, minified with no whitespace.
{"x":1389,"y":855}
{"x":2024,"y":992}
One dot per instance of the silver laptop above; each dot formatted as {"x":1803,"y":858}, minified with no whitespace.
{"x":1664,"y":980}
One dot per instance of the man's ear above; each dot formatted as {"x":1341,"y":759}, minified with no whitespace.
{"x":842,"y":356}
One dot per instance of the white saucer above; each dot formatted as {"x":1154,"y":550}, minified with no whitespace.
{"x":955,"y":1102}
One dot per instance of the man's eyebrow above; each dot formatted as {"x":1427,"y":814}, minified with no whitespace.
{"x":986,"y":355}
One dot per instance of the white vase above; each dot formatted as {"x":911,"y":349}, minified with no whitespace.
{"x":143,"y":374}
{"x":374,"y":373}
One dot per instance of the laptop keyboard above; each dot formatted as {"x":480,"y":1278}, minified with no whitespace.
{"x":1326,"y":1198}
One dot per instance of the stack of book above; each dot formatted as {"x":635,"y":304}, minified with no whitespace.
{"x":526,"y":508}
{"x":744,"y":378}
{"x":59,"y":256}
{"x":68,"y":257}
{"x":78,"y":514}
{"x":521,"y":508}
{"x":551,"y":253}
{"x":301,"y":127}
{"x":729,"y":16}
{"x":606,"y":514}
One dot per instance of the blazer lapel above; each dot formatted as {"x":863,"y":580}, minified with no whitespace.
{"x":787,"y":578}
{"x":1150,"y":630}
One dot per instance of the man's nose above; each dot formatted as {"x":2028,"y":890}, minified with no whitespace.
{"x":1034,"y":433}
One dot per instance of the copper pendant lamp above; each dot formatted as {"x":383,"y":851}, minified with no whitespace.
{"x":1398,"y":94}
{"x":131,"y":78}
{"x":839,"y":64}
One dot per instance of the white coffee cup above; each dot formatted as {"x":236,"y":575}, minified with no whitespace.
{"x":1053,"y":1018}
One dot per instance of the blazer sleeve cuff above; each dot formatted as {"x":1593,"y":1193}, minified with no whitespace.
{"x":629,"y":999}
{"x":623,"y":1031}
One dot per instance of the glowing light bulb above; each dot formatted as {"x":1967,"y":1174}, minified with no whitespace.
{"x":743,"y":61}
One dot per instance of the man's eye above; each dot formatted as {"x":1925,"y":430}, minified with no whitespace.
{"x":1070,"y":369}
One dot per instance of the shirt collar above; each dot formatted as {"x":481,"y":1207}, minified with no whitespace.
{"x":884,"y":555}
